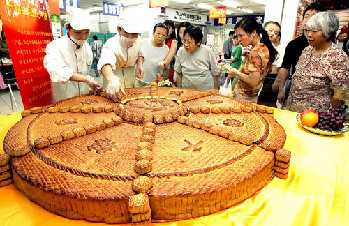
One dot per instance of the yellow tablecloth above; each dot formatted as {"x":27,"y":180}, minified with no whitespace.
{"x":316,"y":192}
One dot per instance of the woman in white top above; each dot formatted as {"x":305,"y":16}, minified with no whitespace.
{"x":196,"y":65}
{"x":154,"y":51}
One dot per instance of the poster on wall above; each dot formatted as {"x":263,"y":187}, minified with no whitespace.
{"x":157,"y":3}
{"x":233,"y":20}
{"x":218,"y":12}
{"x":28,"y":30}
{"x":112,"y":9}
{"x":64,"y":4}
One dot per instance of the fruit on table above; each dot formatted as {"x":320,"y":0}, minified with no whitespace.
{"x":159,"y":78}
{"x":166,"y":83}
{"x":307,"y":111}
{"x":332,"y":119}
{"x":310,"y":119}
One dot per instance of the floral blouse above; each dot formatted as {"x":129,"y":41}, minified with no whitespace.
{"x":257,"y":60}
{"x":314,"y":76}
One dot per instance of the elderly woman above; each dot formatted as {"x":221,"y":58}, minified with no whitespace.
{"x":195,"y":64}
{"x":259,"y":60}
{"x":155,"y":51}
{"x":321,"y":66}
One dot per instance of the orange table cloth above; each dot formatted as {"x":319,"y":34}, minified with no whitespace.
{"x":315,"y":193}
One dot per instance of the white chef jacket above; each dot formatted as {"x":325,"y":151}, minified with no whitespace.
{"x":62,"y":60}
{"x":121,"y":59}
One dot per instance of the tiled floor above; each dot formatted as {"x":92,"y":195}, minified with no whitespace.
{"x":5,"y":102}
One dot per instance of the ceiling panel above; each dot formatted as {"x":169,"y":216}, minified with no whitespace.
{"x":192,"y":6}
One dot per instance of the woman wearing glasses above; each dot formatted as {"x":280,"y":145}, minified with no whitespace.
{"x":195,"y":63}
{"x":322,"y":65}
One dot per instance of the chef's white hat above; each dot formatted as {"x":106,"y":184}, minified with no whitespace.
{"x":129,"y":21}
{"x":78,"y":19}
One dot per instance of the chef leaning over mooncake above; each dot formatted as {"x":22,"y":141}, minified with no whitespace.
{"x":68,"y":59}
{"x":122,"y":58}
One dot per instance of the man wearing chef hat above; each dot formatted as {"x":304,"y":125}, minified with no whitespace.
{"x":122,"y":58}
{"x":68,"y":59}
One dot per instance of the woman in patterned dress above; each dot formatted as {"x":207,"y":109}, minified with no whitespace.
{"x":259,"y":60}
{"x":321,"y":66}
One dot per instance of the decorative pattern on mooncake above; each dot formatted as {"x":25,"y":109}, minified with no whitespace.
{"x":156,"y":154}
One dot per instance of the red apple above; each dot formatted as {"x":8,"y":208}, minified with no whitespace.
{"x":159,"y":79}
{"x":308,"y":111}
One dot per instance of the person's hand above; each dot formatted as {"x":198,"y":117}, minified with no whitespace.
{"x":281,"y":96}
{"x":162,"y":66}
{"x":96,"y":86}
{"x":233,"y":72}
{"x":139,"y":71}
{"x":114,"y":89}
{"x":276,"y":85}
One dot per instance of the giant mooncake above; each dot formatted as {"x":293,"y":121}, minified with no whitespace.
{"x":158,"y":154}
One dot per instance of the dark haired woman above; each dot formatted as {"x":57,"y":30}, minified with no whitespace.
{"x":259,"y":60}
{"x":180,"y":32}
{"x":195,"y":64}
{"x":171,"y":42}
{"x":154,"y":51}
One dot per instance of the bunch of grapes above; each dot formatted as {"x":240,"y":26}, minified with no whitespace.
{"x":332,"y":119}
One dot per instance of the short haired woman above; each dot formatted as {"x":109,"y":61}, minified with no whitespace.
{"x":322,"y":65}
{"x":195,"y":64}
{"x":155,"y":51}
{"x":259,"y":60}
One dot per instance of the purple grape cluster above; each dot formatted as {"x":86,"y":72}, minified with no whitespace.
{"x":331,"y":120}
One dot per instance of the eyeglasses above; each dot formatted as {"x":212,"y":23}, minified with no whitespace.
{"x":189,"y":42}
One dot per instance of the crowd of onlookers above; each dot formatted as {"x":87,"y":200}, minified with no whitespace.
{"x":299,"y":76}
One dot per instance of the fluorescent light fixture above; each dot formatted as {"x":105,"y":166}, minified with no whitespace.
{"x":246,"y":10}
{"x":204,"y":6}
{"x":230,"y":4}
{"x":132,"y":2}
{"x":263,"y":2}
{"x":228,"y":12}
{"x":180,"y":1}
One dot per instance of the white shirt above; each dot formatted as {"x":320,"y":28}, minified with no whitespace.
{"x":119,"y":56}
{"x":62,"y":60}
{"x":152,"y":56}
{"x":280,"y":55}
{"x":121,"y":59}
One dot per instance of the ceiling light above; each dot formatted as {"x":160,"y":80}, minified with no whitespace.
{"x":230,"y":4}
{"x":204,"y":6}
{"x":229,"y":12}
{"x":247,"y":10}
{"x":263,"y":2}
{"x":181,"y":1}
{"x":132,"y":2}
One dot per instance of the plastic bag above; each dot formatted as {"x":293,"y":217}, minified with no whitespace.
{"x":225,"y":89}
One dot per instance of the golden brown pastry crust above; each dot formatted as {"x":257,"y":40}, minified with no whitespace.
{"x":41,"y":142}
{"x":36,"y":110}
{"x":142,"y":184}
{"x":55,"y":138}
{"x":67,"y":135}
{"x":143,"y":167}
{"x":191,"y":169}
{"x":79,"y":131}
{"x":144,"y":154}
{"x":283,"y":155}
{"x":25,"y":113}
